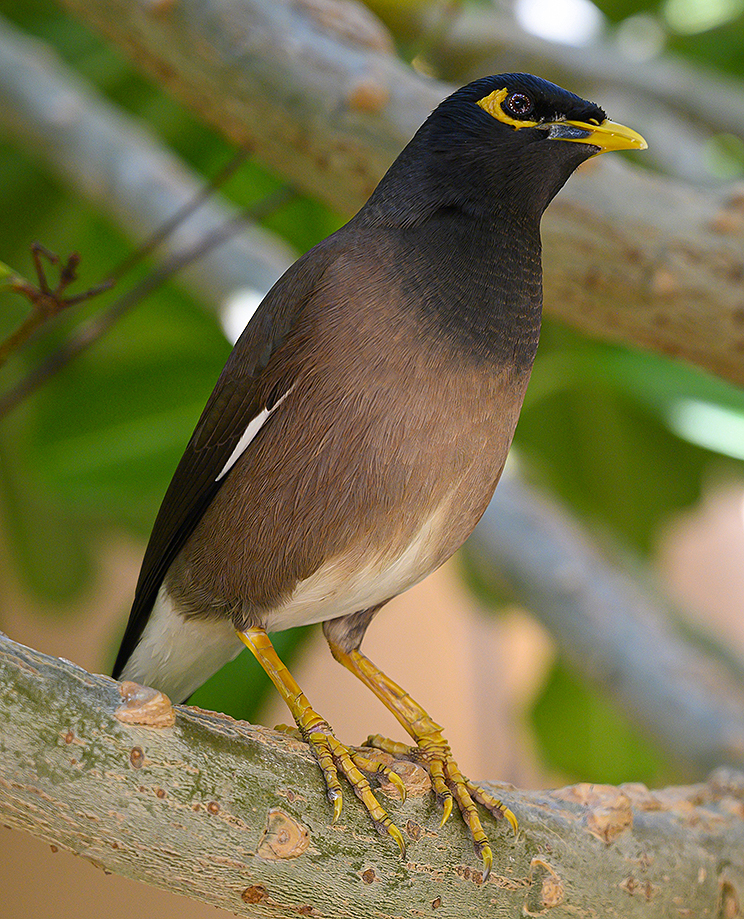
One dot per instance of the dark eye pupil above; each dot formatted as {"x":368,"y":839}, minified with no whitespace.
{"x":519,"y":104}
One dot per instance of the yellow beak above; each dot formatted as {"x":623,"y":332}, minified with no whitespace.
{"x":607,"y":136}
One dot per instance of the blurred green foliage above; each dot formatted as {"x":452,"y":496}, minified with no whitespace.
{"x":602,"y":743}
{"x":719,"y":47}
{"x":92,"y":453}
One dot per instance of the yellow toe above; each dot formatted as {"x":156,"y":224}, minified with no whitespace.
{"x":446,"y":811}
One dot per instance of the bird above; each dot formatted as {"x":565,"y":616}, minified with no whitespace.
{"x":362,"y":421}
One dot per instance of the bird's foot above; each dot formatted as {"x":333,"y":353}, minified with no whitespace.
{"x":334,"y":758}
{"x":365,"y":763}
{"x":431,"y":750}
{"x":449,"y":785}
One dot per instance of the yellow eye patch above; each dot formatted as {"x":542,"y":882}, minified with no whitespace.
{"x":492,"y":105}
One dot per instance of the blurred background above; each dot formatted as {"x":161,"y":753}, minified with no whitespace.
{"x":645,"y":453}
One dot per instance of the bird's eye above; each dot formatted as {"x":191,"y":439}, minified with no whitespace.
{"x":519,"y":104}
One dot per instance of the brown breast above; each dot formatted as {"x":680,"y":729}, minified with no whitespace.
{"x":386,"y":431}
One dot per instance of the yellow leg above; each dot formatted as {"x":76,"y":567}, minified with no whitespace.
{"x":331,"y":754}
{"x":447,"y":780}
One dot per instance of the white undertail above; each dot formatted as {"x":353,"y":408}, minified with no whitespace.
{"x":177,"y":654}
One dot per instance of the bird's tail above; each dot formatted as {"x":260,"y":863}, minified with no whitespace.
{"x":178,"y":653}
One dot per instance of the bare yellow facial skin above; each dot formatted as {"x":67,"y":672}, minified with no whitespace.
{"x":492,"y":105}
{"x":607,"y":136}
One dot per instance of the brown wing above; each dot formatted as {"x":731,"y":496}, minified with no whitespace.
{"x":236,"y":399}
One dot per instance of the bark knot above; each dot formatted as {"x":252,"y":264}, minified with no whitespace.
{"x":283,"y":836}
{"x":144,"y":705}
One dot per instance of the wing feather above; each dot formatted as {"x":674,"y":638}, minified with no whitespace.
{"x":235,"y":401}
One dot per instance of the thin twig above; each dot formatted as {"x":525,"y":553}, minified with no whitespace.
{"x":94,"y":330}
{"x":193,"y":204}
{"x":46,"y":302}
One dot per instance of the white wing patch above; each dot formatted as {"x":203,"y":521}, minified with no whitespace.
{"x":254,"y":426}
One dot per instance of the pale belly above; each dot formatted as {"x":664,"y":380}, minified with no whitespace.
{"x":343,"y":585}
{"x":178,"y":653}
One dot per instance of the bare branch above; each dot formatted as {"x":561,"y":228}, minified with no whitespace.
{"x":109,"y":158}
{"x":93,"y":330}
{"x":629,"y":257}
{"x":46,"y":302}
{"x":235,"y":816}
{"x":612,"y":629}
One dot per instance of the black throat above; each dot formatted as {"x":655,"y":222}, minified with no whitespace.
{"x":465,"y":216}
{"x":465,"y":219}
{"x":477,"y":284}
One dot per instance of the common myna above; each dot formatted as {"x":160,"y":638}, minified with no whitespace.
{"x":362,"y":421}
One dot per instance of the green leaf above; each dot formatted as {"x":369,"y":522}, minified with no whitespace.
{"x":8,"y":277}
{"x":597,"y":429}
{"x":586,"y":737}
{"x":617,"y":10}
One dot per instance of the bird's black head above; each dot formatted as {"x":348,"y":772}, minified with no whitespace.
{"x":515,"y":100}
{"x":505,"y":143}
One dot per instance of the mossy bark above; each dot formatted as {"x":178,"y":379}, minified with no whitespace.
{"x":234,"y":815}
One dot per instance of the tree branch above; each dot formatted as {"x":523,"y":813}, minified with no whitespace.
{"x":629,"y":257}
{"x":109,"y":158}
{"x":613,"y":630}
{"x":90,"y":332}
{"x":46,"y":302}
{"x":234,"y":815}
